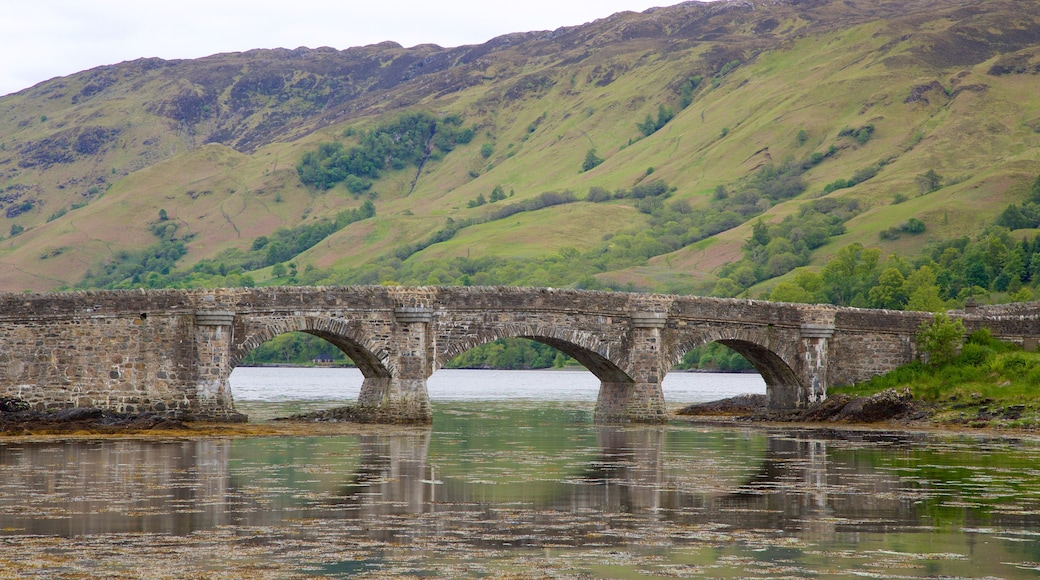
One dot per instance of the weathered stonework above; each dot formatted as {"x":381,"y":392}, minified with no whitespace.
{"x":172,"y":351}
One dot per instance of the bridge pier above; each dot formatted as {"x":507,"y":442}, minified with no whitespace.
{"x":212,"y":397}
{"x":814,"y":341}
{"x":402,"y":397}
{"x":639,"y":400}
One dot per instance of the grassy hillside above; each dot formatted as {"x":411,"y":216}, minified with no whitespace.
{"x":93,"y":165}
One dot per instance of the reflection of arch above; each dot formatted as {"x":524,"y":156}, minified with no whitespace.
{"x":348,"y":336}
{"x":583,"y":347}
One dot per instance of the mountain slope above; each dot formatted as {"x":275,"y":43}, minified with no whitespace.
{"x":91,"y":164}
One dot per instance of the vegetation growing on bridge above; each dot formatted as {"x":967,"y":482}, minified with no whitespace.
{"x":987,"y":383}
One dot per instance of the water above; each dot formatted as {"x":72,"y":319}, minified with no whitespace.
{"x":344,"y":384}
{"x":518,"y":482}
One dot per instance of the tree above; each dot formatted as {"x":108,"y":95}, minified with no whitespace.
{"x":929,"y":181}
{"x":890,"y":291}
{"x":591,"y":160}
{"x":790,"y":292}
{"x":940,"y":338}
{"x":759,"y":234}
{"x":851,"y":273}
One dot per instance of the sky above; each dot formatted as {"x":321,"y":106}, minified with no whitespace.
{"x":43,"y":39}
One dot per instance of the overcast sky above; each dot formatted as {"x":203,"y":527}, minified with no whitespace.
{"x":42,"y":39}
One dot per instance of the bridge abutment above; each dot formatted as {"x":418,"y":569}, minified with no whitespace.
{"x":213,"y":337}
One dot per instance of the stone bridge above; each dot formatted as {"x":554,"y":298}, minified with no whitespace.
{"x":172,"y":351}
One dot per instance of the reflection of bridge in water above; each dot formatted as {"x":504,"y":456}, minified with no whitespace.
{"x":630,"y":489}
{"x":803,"y":484}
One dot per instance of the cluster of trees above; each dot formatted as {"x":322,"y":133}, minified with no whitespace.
{"x":714,"y":357}
{"x":860,"y":134}
{"x":775,"y":249}
{"x":295,"y":348}
{"x":912,"y":226}
{"x":498,"y":193}
{"x":649,"y":126}
{"x":511,"y":354}
{"x":287,"y":243}
{"x":155,"y":266}
{"x":144,"y":267}
{"x":136,"y":268}
{"x":410,"y":140}
{"x":943,"y":276}
{"x":1025,"y":217}
{"x":858,"y":176}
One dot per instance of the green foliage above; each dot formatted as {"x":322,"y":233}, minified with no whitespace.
{"x":409,"y":141}
{"x":295,"y":348}
{"x":775,"y":249}
{"x":715,"y":357}
{"x":989,"y":382}
{"x":154,"y":267}
{"x":540,"y":201}
{"x":16,"y":229}
{"x":139,"y":268}
{"x":598,"y":194}
{"x":940,"y":339}
{"x":859,"y":176}
{"x":1025,"y":217}
{"x":802,"y":137}
{"x":57,"y":214}
{"x":860,"y":134}
{"x":929,"y":181}
{"x":511,"y":354}
{"x":727,"y":68}
{"x":497,"y":194}
{"x":778,"y":182}
{"x":687,"y":91}
{"x":975,"y":355}
{"x":649,"y":126}
{"x":912,"y":226}
{"x":486,"y":150}
{"x":591,"y":160}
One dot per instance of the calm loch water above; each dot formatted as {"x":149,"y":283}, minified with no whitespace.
{"x":515,"y":480}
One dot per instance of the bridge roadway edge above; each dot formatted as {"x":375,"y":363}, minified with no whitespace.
{"x":172,"y":351}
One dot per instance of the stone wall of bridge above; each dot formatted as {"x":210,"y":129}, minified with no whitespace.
{"x":125,"y":351}
{"x":172,"y":351}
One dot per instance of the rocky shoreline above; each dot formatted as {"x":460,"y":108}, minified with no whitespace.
{"x":17,"y":418}
{"x":890,"y":405}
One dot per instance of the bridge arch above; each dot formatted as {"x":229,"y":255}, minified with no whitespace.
{"x":584,"y":347}
{"x":776,"y":365}
{"x":348,"y":336}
